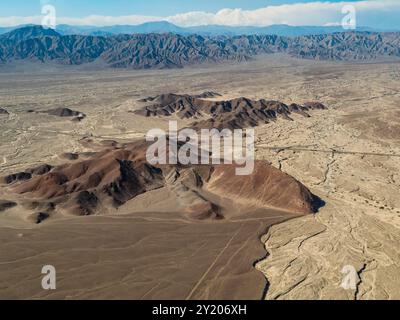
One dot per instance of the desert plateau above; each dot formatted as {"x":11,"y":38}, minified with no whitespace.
{"x":76,"y":191}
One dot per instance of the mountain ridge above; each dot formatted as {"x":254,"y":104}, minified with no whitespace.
{"x":204,"y":30}
{"x":169,"y":50}
{"x":231,"y":114}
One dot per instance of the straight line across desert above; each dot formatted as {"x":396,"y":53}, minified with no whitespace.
{"x":212,"y":154}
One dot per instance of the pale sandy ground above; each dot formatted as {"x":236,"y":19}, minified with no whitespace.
{"x":347,"y":155}
{"x":354,"y":167}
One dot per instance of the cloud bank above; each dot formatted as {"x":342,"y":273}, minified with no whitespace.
{"x":382,"y":13}
{"x":313,"y":13}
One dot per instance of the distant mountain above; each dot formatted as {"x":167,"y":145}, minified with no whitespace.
{"x":144,"y":51}
{"x":170,"y":50}
{"x":346,"y":46}
{"x":150,"y":27}
{"x":139,"y":51}
{"x":28,"y":32}
{"x":279,"y":30}
{"x":207,"y":30}
{"x":37,"y":43}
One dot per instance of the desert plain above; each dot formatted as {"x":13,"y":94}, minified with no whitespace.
{"x":348,"y":155}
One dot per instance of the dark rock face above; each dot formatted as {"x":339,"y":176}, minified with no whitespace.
{"x":64,"y":112}
{"x":149,"y":51}
{"x":20,"y":176}
{"x":232,"y":114}
{"x":133,"y":181}
{"x":5,"y":205}
{"x":40,"y":170}
{"x":3,"y":111}
{"x":87,"y":202}
{"x":40,"y":217}
{"x":70,"y":156}
{"x":27,"y":175}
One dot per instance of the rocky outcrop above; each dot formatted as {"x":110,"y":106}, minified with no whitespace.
{"x":66,"y":113}
{"x":3,"y":111}
{"x":232,"y":114}
{"x":5,"y":205}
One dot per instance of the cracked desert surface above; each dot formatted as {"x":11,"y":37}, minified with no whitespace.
{"x":347,"y":155}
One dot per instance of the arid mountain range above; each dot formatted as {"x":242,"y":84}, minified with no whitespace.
{"x":144,"y":51}
{"x":80,"y":195}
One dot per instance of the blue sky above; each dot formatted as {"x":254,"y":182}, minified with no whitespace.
{"x":382,"y":14}
{"x":80,"y":8}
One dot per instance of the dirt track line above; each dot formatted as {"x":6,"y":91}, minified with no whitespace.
{"x":331,"y":150}
{"x":212,"y":264}
{"x":255,"y":219}
{"x":83,"y":135}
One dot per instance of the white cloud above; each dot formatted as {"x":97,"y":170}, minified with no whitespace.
{"x":96,"y":20}
{"x":314,"y":13}
{"x":93,"y":20}
{"x":15,"y":21}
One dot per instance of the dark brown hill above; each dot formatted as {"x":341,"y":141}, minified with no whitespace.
{"x":66,"y":113}
{"x":116,"y":175}
{"x":232,"y":114}
{"x":171,"y":97}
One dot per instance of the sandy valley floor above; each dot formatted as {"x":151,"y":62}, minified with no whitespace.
{"x":349,"y":155}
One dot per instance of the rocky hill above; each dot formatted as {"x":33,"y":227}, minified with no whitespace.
{"x":112,"y":177}
{"x":232,"y":114}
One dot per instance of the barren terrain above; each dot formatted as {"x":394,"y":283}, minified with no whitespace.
{"x":348,"y":155}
